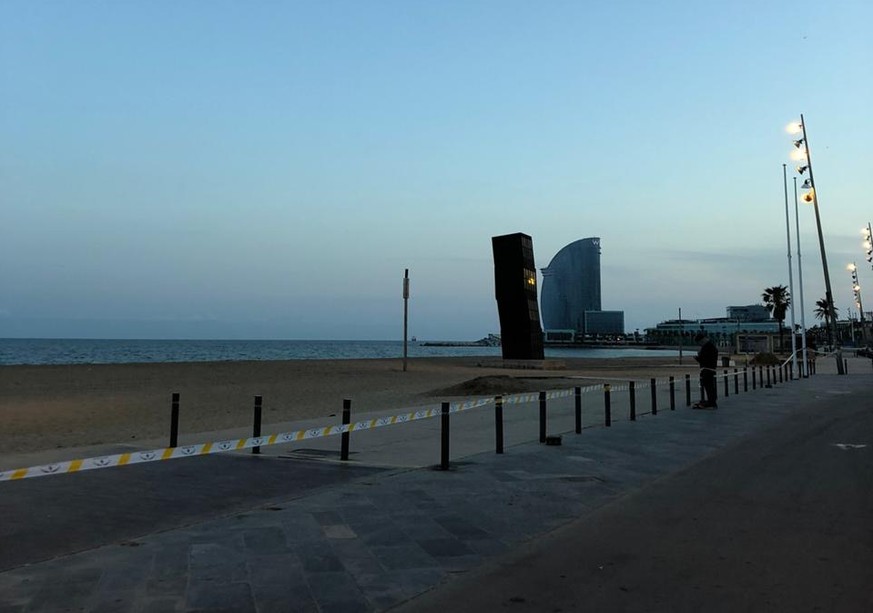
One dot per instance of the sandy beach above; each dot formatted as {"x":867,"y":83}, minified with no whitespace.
{"x":57,"y":407}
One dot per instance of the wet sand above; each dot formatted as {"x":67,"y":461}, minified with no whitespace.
{"x":57,"y":407}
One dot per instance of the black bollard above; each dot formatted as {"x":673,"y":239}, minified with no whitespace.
{"x":498,"y":423}
{"x":256,"y":424}
{"x":736,"y":382}
{"x":542,"y":417}
{"x":607,"y":405}
{"x":725,"y":383}
{"x":745,"y":378}
{"x":654,"y":389}
{"x":578,"y":394}
{"x":632,"y":390}
{"x":687,"y":390}
{"x":769,"y":385}
{"x":444,"y":437}
{"x":346,"y":436}
{"x":754,"y":380}
{"x":672,"y":394}
{"x":174,"y":420}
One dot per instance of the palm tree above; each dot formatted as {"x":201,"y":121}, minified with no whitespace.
{"x":823,"y":312}
{"x":777,"y":299}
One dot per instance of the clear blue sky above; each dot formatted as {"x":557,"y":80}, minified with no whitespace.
{"x":209,"y":169}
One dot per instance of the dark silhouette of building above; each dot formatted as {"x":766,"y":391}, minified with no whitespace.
{"x":515,"y":285}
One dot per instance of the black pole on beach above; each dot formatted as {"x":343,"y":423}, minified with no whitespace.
{"x":256,"y":426}
{"x":672,"y":394}
{"x":345,"y":437}
{"x":542,"y":417}
{"x":736,"y":382}
{"x":632,"y":391}
{"x":687,"y":390}
{"x":607,"y":405}
{"x":498,"y":423}
{"x":654,"y":389}
{"x":578,"y":394}
{"x":174,"y":420}
{"x":444,"y":437}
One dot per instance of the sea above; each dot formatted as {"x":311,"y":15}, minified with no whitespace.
{"x":112,"y":351}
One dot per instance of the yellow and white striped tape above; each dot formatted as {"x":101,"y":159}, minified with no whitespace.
{"x":190,"y":451}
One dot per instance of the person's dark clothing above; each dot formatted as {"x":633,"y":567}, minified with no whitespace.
{"x":707,"y":358}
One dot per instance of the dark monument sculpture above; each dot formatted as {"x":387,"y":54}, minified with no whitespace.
{"x":515,"y":285}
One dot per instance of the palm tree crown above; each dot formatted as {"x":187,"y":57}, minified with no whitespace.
{"x":777,"y":299}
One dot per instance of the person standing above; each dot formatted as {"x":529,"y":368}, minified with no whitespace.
{"x":707,"y":359}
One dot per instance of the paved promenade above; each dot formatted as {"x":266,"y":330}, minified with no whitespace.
{"x":764,"y":504}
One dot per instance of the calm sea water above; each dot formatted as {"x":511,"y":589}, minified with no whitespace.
{"x":94,"y":351}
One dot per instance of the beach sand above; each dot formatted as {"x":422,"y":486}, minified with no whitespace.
{"x":58,"y":407}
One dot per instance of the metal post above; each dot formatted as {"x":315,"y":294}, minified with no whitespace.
{"x":746,"y":378}
{"x":444,"y":437}
{"x":687,"y":390}
{"x":346,"y":436}
{"x":633,"y":401}
{"x":256,"y":425}
{"x":725,"y":383}
{"x":790,"y":267}
{"x":768,"y":377}
{"x":578,"y":394}
{"x":672,"y":394}
{"x":652,"y":385}
{"x":736,"y":382}
{"x":804,"y":372}
{"x":174,"y":420}
{"x":405,"y":314}
{"x":754,"y":381}
{"x":498,"y":423}
{"x":607,"y":405}
{"x":829,"y":296}
{"x":542,"y":417}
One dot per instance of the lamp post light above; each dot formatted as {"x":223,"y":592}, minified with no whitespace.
{"x":803,"y":155}
{"x":856,"y":290}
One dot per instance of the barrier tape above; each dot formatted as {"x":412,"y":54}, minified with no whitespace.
{"x":200,"y":449}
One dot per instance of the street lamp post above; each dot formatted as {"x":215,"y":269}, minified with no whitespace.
{"x":812,"y":196}
{"x":856,"y":290}
{"x":790,"y":275}
{"x":800,"y":281}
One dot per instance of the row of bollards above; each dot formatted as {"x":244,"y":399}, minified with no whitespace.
{"x":773,"y":375}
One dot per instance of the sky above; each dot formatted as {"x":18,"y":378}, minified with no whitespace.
{"x":194,"y":169}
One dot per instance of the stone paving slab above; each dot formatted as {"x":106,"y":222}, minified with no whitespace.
{"x":371,"y":543}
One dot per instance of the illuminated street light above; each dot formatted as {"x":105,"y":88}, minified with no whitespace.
{"x":856,"y":290}
{"x":802,"y":145}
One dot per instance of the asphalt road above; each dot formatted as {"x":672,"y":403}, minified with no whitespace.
{"x":782,"y":521}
